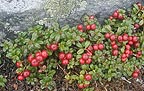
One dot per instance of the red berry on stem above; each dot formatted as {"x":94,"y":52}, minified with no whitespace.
{"x":139,"y":52}
{"x":26,"y":73}
{"x":39,"y":58}
{"x":120,"y":38}
{"x":85,"y":56}
{"x":18,"y":64}
{"x":61,"y":55}
{"x":100,"y":46}
{"x":65,"y":62}
{"x":123,"y":55}
{"x":30,"y":57}
{"x":114,"y":52}
{"x":136,"y":26}
{"x":34,"y":63}
{"x":82,"y":39}
{"x":136,"y":45}
{"x":127,"y":46}
{"x":113,"y":37}
{"x":38,"y":53}
{"x":127,"y":51}
{"x":69,"y":56}
{"x":82,"y":61}
{"x":135,"y":75}
{"x":130,"y":38}
{"x":130,"y":42}
{"x":95,"y":47}
{"x":88,"y":61}
{"x":88,"y":27}
{"x":135,"y":39}
{"x":93,"y":26}
{"x":125,"y":37}
{"x":114,"y":46}
{"x":44,"y":54}
{"x":113,"y":43}
{"x":123,"y":59}
{"x":53,"y":47}
{"x":120,"y":17}
{"x":90,"y":48}
{"x":137,"y":71}
{"x":20,"y":77}
{"x":107,"y":35}
{"x":88,"y":77}
{"x":80,"y":27}
{"x":115,"y":14}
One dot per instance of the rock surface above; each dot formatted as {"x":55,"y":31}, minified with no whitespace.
{"x":18,"y":15}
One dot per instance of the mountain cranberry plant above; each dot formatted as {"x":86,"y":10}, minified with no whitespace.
{"x":85,"y":53}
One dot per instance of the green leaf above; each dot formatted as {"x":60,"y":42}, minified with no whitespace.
{"x":34,"y":36}
{"x":141,"y":22}
{"x":87,"y":43}
{"x":80,"y":51}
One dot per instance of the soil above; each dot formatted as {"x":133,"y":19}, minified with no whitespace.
{"x":8,"y":71}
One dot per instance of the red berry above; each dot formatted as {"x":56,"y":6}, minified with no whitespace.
{"x":136,"y":26}
{"x":138,"y":56}
{"x":90,"y":48}
{"x":30,"y":57}
{"x":69,"y":56}
{"x":89,"y":53}
{"x":115,"y":14}
{"x":93,"y":26}
{"x":85,"y":56}
{"x":139,"y":52}
{"x":120,"y":38}
{"x":114,"y":52}
{"x":123,"y":55}
{"x":130,"y":42}
{"x":44,"y":54}
{"x":120,"y":17}
{"x":82,"y":39}
{"x":125,"y":37}
{"x":20,"y":77}
{"x":114,"y":46}
{"x":123,"y":59}
{"x":135,"y":39}
{"x":95,"y":47}
{"x":113,"y":37}
{"x":38,"y":53}
{"x":88,"y":61}
{"x":88,"y":77}
{"x":61,"y":55}
{"x":113,"y":43}
{"x":91,"y":17}
{"x":111,"y":17}
{"x":80,"y":27}
{"x":34,"y":63}
{"x":18,"y":64}
{"x":26,"y":73}
{"x":127,"y":46}
{"x":39,"y":58}
{"x":107,"y":35}
{"x":54,"y":47}
{"x":82,"y":61}
{"x":65,"y":62}
{"x":137,"y":71}
{"x":136,"y":45}
{"x":127,"y":51}
{"x":130,"y":38}
{"x":135,"y":75}
{"x":81,"y":86}
{"x":88,"y":27}
{"x":100,"y":46}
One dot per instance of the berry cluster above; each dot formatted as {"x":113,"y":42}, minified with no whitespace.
{"x":117,"y":15}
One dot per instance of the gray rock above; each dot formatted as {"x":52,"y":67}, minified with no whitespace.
{"x":18,"y":15}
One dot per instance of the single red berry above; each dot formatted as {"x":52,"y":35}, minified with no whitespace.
{"x":127,"y":51}
{"x":120,"y":17}
{"x":26,"y":73}
{"x":93,"y":26}
{"x":53,"y":47}
{"x":65,"y":62}
{"x":34,"y":63}
{"x":130,"y":38}
{"x":95,"y":47}
{"x":82,"y":61}
{"x":61,"y":55}
{"x":38,"y":53}
{"x":82,"y":39}
{"x":81,"y":86}
{"x":20,"y":77}
{"x":123,"y":55}
{"x":135,"y":75}
{"x":115,"y":14}
{"x":107,"y":35}
{"x":39,"y":58}
{"x":114,"y":52}
{"x":69,"y":56}
{"x":44,"y":54}
{"x":100,"y":46}
{"x":136,"y":45}
{"x":113,"y":37}
{"x":88,"y":77}
{"x":135,"y":39}
{"x":30,"y":57}
{"x":130,"y":42}
{"x":90,"y":48}
{"x":113,"y":43}
{"x":136,"y":26}
{"x":85,"y":56}
{"x":88,"y":27}
{"x":80,"y":27}
{"x":110,"y":17}
{"x":125,"y":37}
{"x":88,"y":61}
{"x":123,"y":59}
{"x":91,"y":17}
{"x":114,"y":46}
{"x":120,"y":38}
{"x":128,"y":46}
{"x":18,"y":64}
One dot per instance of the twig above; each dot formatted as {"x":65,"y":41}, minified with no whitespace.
{"x":62,"y":69}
